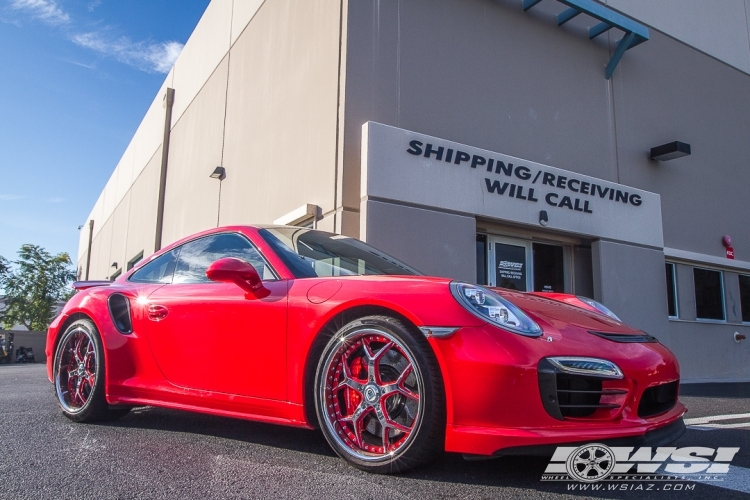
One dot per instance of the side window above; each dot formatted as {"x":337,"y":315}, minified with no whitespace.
{"x":709,"y":294}
{"x":745,"y":297}
{"x":135,"y":260}
{"x":671,"y":290}
{"x":197,"y":255}
{"x":159,"y":270}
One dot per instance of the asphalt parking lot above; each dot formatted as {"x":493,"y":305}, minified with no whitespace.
{"x":156,"y":453}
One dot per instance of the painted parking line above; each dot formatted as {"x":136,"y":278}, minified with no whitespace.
{"x":714,"y":418}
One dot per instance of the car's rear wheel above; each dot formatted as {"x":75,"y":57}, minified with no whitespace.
{"x":379,"y":396}
{"x":79,"y":375}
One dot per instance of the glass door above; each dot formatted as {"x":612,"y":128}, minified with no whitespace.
{"x":509,"y":263}
{"x":524,"y":266}
{"x":548,"y":268}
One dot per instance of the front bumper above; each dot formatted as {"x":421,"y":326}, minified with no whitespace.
{"x":494,"y":402}
{"x":654,"y":438}
{"x":484,"y":441}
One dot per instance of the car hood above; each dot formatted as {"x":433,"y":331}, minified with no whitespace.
{"x":562,"y":316}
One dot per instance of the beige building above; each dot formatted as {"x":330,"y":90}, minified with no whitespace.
{"x":389,"y":121}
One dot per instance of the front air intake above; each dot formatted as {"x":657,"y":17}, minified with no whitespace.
{"x":572,"y":395}
{"x":658,"y":399}
{"x":119,"y":309}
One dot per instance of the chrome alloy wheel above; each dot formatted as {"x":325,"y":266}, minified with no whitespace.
{"x":76,"y":370}
{"x":372,"y":394}
{"x":590,"y":463}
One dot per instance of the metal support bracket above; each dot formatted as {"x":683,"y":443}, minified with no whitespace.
{"x":635,"y":33}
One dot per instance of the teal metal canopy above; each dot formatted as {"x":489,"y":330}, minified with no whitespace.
{"x":635,"y":33}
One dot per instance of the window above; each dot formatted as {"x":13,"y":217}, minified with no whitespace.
{"x":481,"y":259}
{"x":709,"y":294}
{"x":549,"y":268}
{"x":135,"y":260}
{"x":116,"y":275}
{"x":745,"y":298}
{"x":671,"y":290}
{"x":159,"y":270}
{"x":197,"y":255}
{"x":310,"y":254}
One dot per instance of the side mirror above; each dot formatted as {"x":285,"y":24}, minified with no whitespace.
{"x":239,"y":272}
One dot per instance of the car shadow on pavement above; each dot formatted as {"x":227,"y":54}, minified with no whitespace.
{"x":522,"y":474}
{"x":277,"y":436}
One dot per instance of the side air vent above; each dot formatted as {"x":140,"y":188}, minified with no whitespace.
{"x":119,"y":309}
{"x":658,"y":399}
{"x":644,"y":338}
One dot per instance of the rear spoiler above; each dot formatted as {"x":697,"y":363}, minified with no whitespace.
{"x":83,"y":285}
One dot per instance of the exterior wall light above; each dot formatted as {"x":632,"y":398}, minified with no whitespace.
{"x":543,"y":218}
{"x":219,"y":173}
{"x":114,"y":264}
{"x":670,"y":151}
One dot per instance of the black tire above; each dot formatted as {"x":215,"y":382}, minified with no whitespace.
{"x":88,"y":376}
{"x":421,"y":437}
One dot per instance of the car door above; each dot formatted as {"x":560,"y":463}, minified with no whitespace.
{"x":209,"y":336}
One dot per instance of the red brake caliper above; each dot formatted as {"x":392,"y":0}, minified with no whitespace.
{"x":353,"y":398}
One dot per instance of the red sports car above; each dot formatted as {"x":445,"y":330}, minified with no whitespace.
{"x":322,"y":330}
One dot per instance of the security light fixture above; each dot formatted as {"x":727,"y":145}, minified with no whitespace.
{"x":114,"y":264}
{"x":219,"y":173}
{"x":670,"y":151}
{"x":543,"y":218}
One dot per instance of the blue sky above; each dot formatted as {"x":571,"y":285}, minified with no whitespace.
{"x":77,"y":78}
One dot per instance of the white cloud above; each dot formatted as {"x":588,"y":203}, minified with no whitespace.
{"x":46,"y":11}
{"x":56,"y":200}
{"x":147,"y":56}
{"x":151,"y":57}
{"x":10,"y":197}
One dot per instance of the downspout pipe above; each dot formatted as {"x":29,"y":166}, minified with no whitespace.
{"x":168,"y":102}
{"x":88,"y":254}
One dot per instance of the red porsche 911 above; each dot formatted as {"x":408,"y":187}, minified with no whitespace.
{"x":322,"y":330}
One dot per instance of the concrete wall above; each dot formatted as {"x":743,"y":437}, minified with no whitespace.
{"x":282,"y":113}
{"x":256,"y":91}
{"x":663,"y":92}
{"x":720,"y":29}
{"x":35,"y":340}
{"x":476,"y":87}
{"x":630,"y":280}
{"x":435,"y":243}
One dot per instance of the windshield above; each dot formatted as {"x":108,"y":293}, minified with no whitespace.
{"x":310,"y":253}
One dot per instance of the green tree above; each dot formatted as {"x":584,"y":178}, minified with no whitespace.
{"x":33,"y":285}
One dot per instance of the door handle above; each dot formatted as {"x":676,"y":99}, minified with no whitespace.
{"x":157,"y":312}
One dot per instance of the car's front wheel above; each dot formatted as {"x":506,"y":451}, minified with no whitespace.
{"x":379,"y":396}
{"x":79,"y":375}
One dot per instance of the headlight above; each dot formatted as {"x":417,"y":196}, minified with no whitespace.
{"x":491,"y":307}
{"x":587,"y":366}
{"x":599,"y":307}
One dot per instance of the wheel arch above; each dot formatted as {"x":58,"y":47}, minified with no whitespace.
{"x":65,"y":324}
{"x":327,"y":331}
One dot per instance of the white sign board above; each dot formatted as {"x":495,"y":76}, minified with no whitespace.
{"x":404,"y":166}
